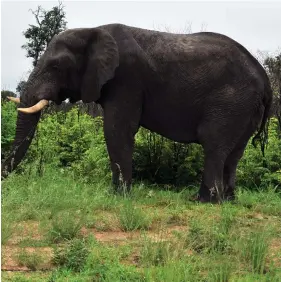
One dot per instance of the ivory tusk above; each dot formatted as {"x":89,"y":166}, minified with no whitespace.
{"x":16,"y":100}
{"x":36,"y":108}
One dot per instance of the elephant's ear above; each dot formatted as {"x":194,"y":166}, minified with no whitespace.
{"x":102,"y":58}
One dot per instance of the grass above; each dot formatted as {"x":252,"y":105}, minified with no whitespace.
{"x":30,"y":260}
{"x":6,"y":227}
{"x":157,"y":253}
{"x":72,"y":256}
{"x":256,"y":251}
{"x":176,"y":271}
{"x":65,"y":225}
{"x":151,"y":235}
{"x":222,"y":273}
{"x":133,"y":218}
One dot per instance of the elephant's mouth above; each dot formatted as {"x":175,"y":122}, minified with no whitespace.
{"x":72,"y":95}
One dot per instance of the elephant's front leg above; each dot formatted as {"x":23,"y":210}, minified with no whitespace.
{"x":120,"y":143}
{"x":121,"y":167}
{"x":119,"y":134}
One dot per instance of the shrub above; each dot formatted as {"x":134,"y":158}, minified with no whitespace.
{"x":157,"y":159}
{"x":73,"y":256}
{"x":74,"y":140}
{"x":8,"y":126}
{"x":65,"y":226}
{"x":256,"y":171}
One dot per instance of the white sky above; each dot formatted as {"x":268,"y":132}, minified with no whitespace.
{"x":256,"y":25}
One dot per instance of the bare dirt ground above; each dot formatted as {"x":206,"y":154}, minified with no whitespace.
{"x":31,"y":230}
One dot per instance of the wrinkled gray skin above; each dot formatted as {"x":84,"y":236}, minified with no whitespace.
{"x":203,"y":88}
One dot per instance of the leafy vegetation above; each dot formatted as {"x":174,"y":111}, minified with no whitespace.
{"x":8,"y":125}
{"x":30,"y":260}
{"x":155,"y":233}
{"x":60,"y":215}
{"x":74,"y":141}
{"x":73,"y":256}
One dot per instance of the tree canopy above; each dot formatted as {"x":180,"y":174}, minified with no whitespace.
{"x":48,"y":24}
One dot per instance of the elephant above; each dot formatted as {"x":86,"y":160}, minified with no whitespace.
{"x":202,"y":88}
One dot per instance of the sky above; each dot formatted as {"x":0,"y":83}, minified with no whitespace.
{"x":256,"y":25}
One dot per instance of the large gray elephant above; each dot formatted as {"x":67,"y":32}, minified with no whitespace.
{"x":203,"y":88}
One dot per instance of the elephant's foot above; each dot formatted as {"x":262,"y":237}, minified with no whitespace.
{"x":205,"y":199}
{"x":123,"y":190}
{"x":213,"y":200}
{"x":229,"y":197}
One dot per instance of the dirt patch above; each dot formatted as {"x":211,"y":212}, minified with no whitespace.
{"x":119,"y":236}
{"x":10,"y":257}
{"x":24,"y":230}
{"x":275,"y":252}
{"x":31,"y":230}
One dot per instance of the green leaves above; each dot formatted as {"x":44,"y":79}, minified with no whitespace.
{"x":160,"y":160}
{"x":74,"y":140}
{"x":8,"y":125}
{"x":254,"y":170}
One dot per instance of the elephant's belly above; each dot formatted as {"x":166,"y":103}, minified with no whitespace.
{"x":176,"y":124}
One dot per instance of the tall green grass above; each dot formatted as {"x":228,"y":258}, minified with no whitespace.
{"x":228,"y":242}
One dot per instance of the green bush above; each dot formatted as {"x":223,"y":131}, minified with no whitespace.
{"x":8,"y":126}
{"x":74,"y":140}
{"x":63,"y":138}
{"x":71,"y":140}
{"x":254,"y":170}
{"x":73,"y":256}
{"x":160,"y":160}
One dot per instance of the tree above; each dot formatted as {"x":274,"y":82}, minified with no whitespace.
{"x":48,"y":24}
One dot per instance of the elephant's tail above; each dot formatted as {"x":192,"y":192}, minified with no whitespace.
{"x":262,"y":134}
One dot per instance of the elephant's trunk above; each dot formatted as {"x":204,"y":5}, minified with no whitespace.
{"x":25,"y":129}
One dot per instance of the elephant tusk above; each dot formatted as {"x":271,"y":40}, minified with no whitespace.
{"x":36,"y":108}
{"x":16,"y":100}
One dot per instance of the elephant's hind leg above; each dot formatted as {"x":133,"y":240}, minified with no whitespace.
{"x":218,"y":142}
{"x":232,"y":162}
{"x":229,"y":172}
{"x":211,"y":189}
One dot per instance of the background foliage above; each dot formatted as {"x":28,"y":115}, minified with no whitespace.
{"x":68,"y":138}
{"x":74,"y":141}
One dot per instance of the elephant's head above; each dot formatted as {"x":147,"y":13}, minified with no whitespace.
{"x":76,"y":64}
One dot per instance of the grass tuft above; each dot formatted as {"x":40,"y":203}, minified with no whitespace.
{"x":6,"y":228}
{"x":256,"y":251}
{"x":30,"y":260}
{"x":65,"y":225}
{"x":133,"y":218}
{"x":221,"y":273}
{"x":72,"y":256}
